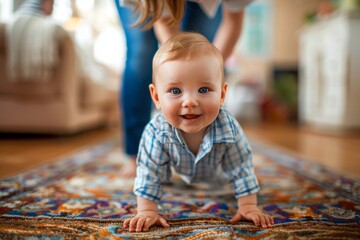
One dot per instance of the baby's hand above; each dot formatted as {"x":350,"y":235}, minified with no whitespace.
{"x":144,"y":220}
{"x":252,"y":213}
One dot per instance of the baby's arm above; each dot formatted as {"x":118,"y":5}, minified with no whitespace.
{"x":147,"y":215}
{"x":248,"y":210}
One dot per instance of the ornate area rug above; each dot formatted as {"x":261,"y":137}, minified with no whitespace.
{"x":82,"y":197}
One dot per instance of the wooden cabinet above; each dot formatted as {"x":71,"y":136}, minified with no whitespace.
{"x":329,"y":94}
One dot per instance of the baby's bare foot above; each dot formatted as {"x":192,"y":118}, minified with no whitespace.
{"x":128,"y":170}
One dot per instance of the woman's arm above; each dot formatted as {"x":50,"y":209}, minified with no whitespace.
{"x":226,"y":36}
{"x":228,"y":32}
{"x":163,"y":30}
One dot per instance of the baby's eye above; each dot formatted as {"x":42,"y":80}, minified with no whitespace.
{"x":175,"y":90}
{"x":203,"y":90}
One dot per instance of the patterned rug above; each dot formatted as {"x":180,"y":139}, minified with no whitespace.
{"x":82,"y":197}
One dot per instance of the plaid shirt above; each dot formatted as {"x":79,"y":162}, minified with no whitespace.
{"x":224,"y":145}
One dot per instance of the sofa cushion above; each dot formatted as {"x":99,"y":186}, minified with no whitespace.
{"x":22,"y":89}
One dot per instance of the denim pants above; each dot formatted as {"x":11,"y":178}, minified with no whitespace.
{"x":134,"y":98}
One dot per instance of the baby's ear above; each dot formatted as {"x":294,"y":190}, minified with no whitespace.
{"x":223,"y":93}
{"x":154,"y":95}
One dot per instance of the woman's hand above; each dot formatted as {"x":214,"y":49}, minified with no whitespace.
{"x":163,"y":30}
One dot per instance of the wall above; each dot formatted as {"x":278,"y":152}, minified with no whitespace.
{"x":287,"y":22}
{"x":281,"y":29}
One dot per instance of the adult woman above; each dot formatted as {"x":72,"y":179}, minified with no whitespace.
{"x":219,"y":21}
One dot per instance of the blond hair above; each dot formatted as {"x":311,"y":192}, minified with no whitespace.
{"x":186,"y":46}
{"x":151,"y":10}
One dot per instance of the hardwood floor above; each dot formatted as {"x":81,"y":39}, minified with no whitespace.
{"x":338,"y":152}
{"x":23,"y":152}
{"x":341,"y":153}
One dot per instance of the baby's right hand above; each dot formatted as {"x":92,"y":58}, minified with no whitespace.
{"x":144,"y":220}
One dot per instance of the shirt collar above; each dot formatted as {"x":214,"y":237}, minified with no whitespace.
{"x":223,"y":129}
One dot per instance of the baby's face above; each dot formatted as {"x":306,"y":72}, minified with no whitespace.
{"x":189,"y":93}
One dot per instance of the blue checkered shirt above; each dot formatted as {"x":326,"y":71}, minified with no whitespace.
{"x":224,"y":147}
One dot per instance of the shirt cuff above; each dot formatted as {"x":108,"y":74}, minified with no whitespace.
{"x":151,"y":192}
{"x":245,"y":186}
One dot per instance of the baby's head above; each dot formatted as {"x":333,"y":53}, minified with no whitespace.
{"x":188,"y":82}
{"x":184,"y":47}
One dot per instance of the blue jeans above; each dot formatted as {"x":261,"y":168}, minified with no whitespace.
{"x":135,"y":100}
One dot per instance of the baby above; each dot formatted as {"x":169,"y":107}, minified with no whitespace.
{"x":193,"y":134}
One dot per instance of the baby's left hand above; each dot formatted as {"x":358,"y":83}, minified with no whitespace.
{"x":252,"y":213}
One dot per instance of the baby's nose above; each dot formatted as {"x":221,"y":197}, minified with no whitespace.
{"x":190,"y":101}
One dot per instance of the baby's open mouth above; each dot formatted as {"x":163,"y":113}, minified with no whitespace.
{"x":190,"y":116}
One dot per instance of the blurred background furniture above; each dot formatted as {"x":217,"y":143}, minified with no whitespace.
{"x":66,"y":103}
{"x":330,"y":64}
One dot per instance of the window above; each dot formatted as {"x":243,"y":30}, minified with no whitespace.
{"x":6,"y":9}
